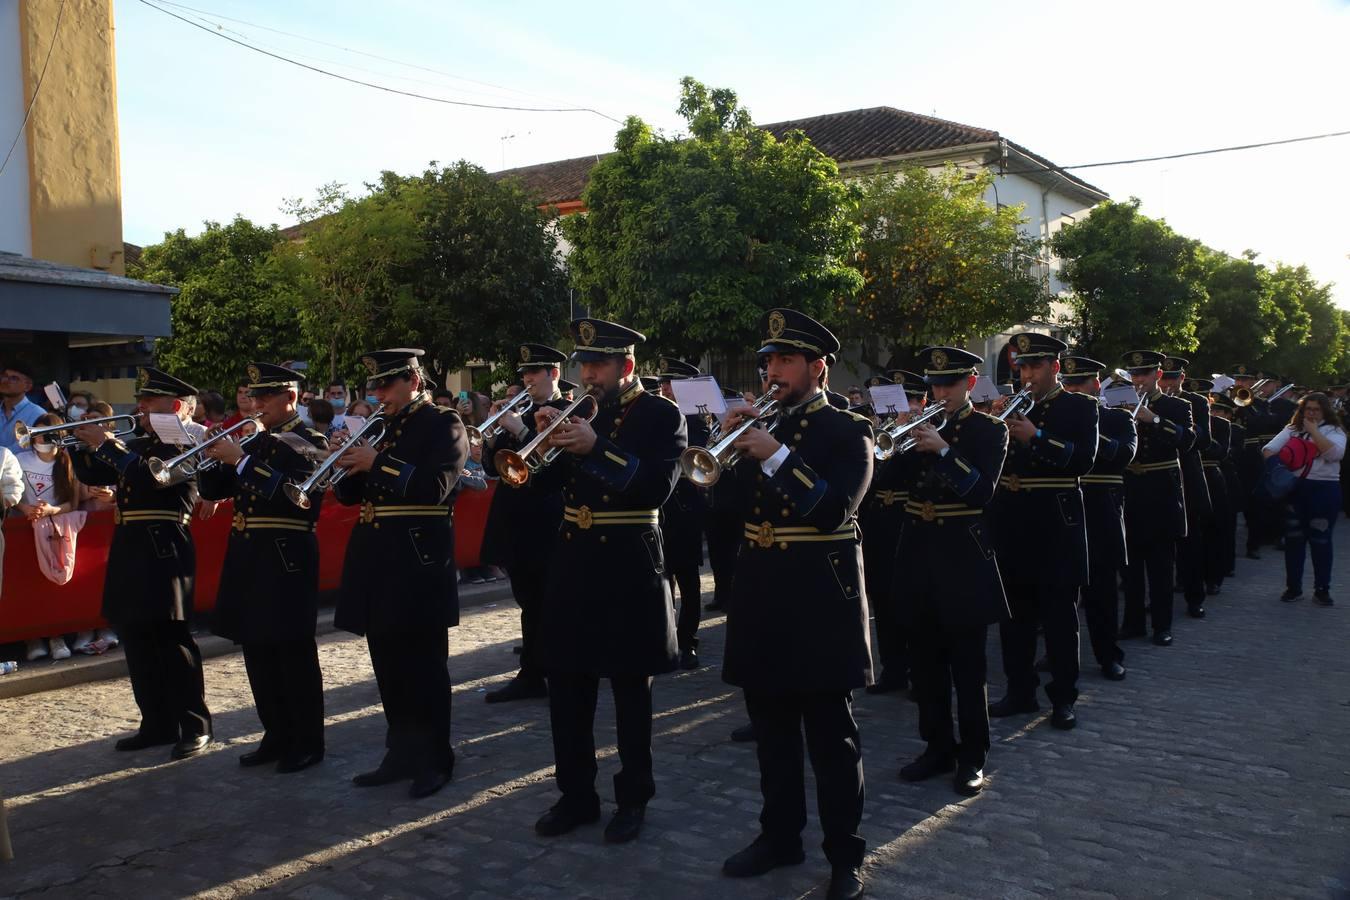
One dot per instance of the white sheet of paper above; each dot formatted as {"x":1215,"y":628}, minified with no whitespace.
{"x":888,"y":399}
{"x":984,"y":391}
{"x":1222,"y":383}
{"x":54,"y":396}
{"x":170,"y":430}
{"x":696,"y":396}
{"x":353,"y":424}
{"x":1121,"y":395}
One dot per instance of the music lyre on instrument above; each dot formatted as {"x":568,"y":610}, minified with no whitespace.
{"x":327,"y":474}
{"x":188,"y":461}
{"x":516,"y":466}
{"x":704,"y":465}
{"x":23,"y":434}
{"x":489,"y":429}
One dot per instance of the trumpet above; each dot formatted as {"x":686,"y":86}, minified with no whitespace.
{"x":1280,"y":393}
{"x":1020,"y":403}
{"x":327,"y":474}
{"x":892,"y":438}
{"x":1245,"y":396}
{"x":704,"y":465}
{"x":516,"y":466}
{"x":23,"y":435}
{"x":489,"y":429}
{"x":188,"y":463}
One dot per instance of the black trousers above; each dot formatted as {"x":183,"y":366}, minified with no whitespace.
{"x":691,"y":606}
{"x":725,"y":530}
{"x":528,"y":585}
{"x":414,"y":682}
{"x":1264,"y":522}
{"x":288,"y":693}
{"x":571,"y":708}
{"x":1191,"y":564}
{"x":166,"y":678}
{"x":892,"y":636}
{"x":1056,"y":609}
{"x":1152,"y":559}
{"x":836,"y":758}
{"x":1101,"y":608}
{"x":1219,"y":543}
{"x":945,"y":658}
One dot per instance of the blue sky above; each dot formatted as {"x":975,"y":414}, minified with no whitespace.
{"x":209,"y":129}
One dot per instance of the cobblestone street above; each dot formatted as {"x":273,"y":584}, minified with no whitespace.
{"x":1218,"y":768}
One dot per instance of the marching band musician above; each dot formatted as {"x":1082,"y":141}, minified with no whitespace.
{"x":1195,"y":488}
{"x":1040,"y":505}
{"x":607,"y":612}
{"x":797,"y":629}
{"x":682,"y":519}
{"x":723,"y":525}
{"x":148,"y":587}
{"x":1224,"y":408}
{"x":523,"y":524}
{"x":269,"y":585}
{"x":947,"y":577}
{"x":1104,"y":508}
{"x":398,"y":579}
{"x":1155,"y":507}
{"x":1214,"y":561}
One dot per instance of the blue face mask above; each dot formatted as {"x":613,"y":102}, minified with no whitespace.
{"x":372,"y":400}
{"x":338,"y":403}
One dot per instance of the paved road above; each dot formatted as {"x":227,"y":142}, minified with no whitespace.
{"x":1221,"y":768}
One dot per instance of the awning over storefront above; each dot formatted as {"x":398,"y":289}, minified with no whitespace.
{"x":36,"y":295}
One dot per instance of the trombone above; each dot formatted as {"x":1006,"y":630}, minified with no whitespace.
{"x":704,"y":465}
{"x":1245,"y":396}
{"x":23,"y":434}
{"x":481,"y":434}
{"x":516,"y":466}
{"x":1020,"y":403}
{"x":327,"y":474}
{"x":187,"y":462}
{"x":892,"y":439}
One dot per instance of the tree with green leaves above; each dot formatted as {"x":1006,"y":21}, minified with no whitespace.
{"x":233,"y":308}
{"x":939,"y":264}
{"x":690,"y":240}
{"x":1234,"y":323}
{"x":1307,"y":335}
{"x":1136,"y":283}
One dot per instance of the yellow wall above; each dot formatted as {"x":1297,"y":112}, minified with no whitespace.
{"x":75,"y":177}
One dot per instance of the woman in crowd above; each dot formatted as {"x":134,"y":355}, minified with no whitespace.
{"x":362,"y":409}
{"x":1314,"y":440}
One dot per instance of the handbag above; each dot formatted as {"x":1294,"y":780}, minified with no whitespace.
{"x":1278,"y":478}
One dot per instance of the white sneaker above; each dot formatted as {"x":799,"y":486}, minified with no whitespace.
{"x":108,"y":637}
{"x":82,"y":641}
{"x":37,"y":648}
{"x":59,"y":648}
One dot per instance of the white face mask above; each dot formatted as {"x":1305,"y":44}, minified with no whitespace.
{"x":76,"y":412}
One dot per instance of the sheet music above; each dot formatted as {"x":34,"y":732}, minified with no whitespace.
{"x":1121,"y":395}
{"x":54,"y":396}
{"x":170,"y":430}
{"x":888,"y":399}
{"x":699,"y":396}
{"x":984,"y":391}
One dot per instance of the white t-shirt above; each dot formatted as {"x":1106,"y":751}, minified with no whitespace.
{"x":37,"y":478}
{"x":1327,"y":465}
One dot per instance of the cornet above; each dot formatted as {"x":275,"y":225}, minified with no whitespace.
{"x":489,"y":429}
{"x":188,"y":461}
{"x":327,"y":474}
{"x":1020,"y":403}
{"x":23,"y":435}
{"x":704,"y":465}
{"x":516,"y":466}
{"x":892,"y":439}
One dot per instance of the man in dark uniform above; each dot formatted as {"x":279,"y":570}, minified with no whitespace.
{"x":608,"y":611}
{"x":947,"y":576}
{"x":1104,"y":506}
{"x":1215,"y":556}
{"x":1262,"y":424}
{"x":797,"y":630}
{"x":723,"y":525}
{"x":1225,"y":408}
{"x":152,"y":564}
{"x":1195,"y":488}
{"x":269,"y":585}
{"x":682,"y":519}
{"x":523,"y":522}
{"x":1041,"y":530}
{"x":837,"y":400}
{"x":1155,"y":507}
{"x":398,"y":578}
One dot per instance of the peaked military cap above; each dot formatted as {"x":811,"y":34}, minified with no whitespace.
{"x":154,"y":382}
{"x":1241,"y":370}
{"x":947,"y":365}
{"x":266,"y":378}
{"x":668,"y":368}
{"x":877,"y":380}
{"x":788,"y":331}
{"x":1269,"y":376}
{"x":1223,"y":401}
{"x":650,"y":382}
{"x":1032,"y":345}
{"x":912,"y":382}
{"x":1074,"y":369}
{"x":1142,"y":361}
{"x":1174,"y":366}
{"x":831,"y":359}
{"x":1198,"y":385}
{"x":598,"y":340}
{"x":565,"y":386}
{"x":539,"y":356}
{"x":387,"y":363}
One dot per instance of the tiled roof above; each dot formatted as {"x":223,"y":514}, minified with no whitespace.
{"x":554,"y":182}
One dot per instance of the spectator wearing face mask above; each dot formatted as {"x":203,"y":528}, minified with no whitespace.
{"x":16,"y":380}
{"x":362,"y":409}
{"x":78,"y":405}
{"x":302,"y":407}
{"x":336,"y":394}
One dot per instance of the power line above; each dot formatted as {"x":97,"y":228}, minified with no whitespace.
{"x":371,"y":84}
{"x":37,"y":88}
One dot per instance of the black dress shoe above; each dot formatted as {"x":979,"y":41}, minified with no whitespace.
{"x":1128,"y":633}
{"x":1064,"y":717}
{"x":1162,"y":638}
{"x":298,"y":762}
{"x":1009,"y":706}
{"x":518,"y":689}
{"x":562,"y":818}
{"x":1212,"y":590}
{"x":1323,"y":598}
{"x":626,"y":825}
{"x":190,"y":746}
{"x":927,"y":766}
{"x":1195,"y":611}
{"x":969,"y":781}
{"x":689,"y":659}
{"x":140,"y":740}
{"x":744,"y":734}
{"x":260,"y":757}
{"x":761,"y":857}
{"x":1290,"y":595}
{"x":385,"y":774}
{"x":427,"y":783}
{"x":1113,"y":671}
{"x":845,"y":883}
